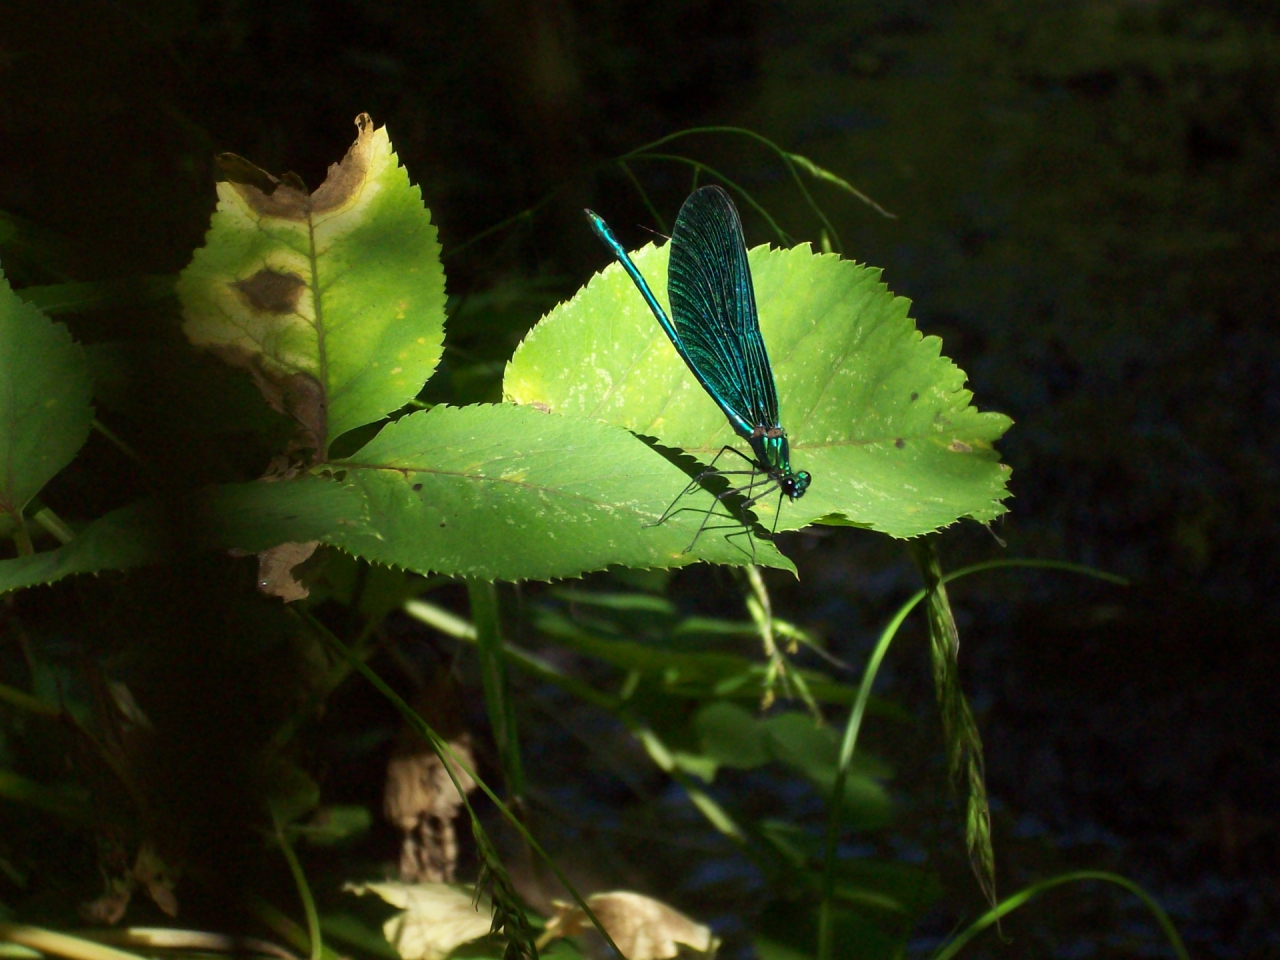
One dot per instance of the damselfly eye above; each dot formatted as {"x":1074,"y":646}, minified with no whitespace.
{"x":795,"y":484}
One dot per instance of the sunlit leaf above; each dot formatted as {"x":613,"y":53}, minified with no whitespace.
{"x":334,"y":300}
{"x":489,"y":491}
{"x":874,"y":412}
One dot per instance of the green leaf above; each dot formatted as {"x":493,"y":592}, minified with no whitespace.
{"x":100,"y":295}
{"x":787,"y":930}
{"x":731,"y":736}
{"x":124,"y":538}
{"x":734,"y":737}
{"x":68,"y":802}
{"x":680,"y":672}
{"x":291,"y":792}
{"x":873,"y":411}
{"x":45,"y":390}
{"x":796,"y":740}
{"x":334,"y":299}
{"x":898,"y":887}
{"x":334,"y":824}
{"x":354,"y":931}
{"x":489,"y":491}
{"x":695,"y":764}
{"x":813,"y":751}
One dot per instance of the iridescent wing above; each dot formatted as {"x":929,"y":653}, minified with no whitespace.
{"x":713,"y":305}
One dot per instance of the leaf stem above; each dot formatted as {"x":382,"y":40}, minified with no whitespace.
{"x":304,"y":889}
{"x":116,"y":441}
{"x":53,"y":523}
{"x":783,"y":237}
{"x":644,"y":196}
{"x":21,"y":538}
{"x":493,"y":676}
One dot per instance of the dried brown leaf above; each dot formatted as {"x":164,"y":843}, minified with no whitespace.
{"x":275,"y":570}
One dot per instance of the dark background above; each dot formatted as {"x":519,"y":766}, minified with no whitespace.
{"x":1087,"y":213}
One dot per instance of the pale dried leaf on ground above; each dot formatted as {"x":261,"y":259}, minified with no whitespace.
{"x":643,"y":928}
{"x":436,"y":919}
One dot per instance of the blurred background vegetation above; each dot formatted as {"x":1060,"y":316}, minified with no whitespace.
{"x":1087,"y":202}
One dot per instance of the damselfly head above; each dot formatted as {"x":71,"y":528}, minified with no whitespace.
{"x":795,"y":484}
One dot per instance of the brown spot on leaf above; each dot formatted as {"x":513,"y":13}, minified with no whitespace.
{"x":306,"y":404}
{"x":959,"y":446}
{"x":899,"y":443}
{"x":270,"y":291}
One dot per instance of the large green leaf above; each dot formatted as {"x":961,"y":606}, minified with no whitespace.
{"x":874,"y":412}
{"x":489,"y":491}
{"x":45,"y":390}
{"x":333,"y":299}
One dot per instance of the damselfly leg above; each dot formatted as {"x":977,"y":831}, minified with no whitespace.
{"x":748,"y":489}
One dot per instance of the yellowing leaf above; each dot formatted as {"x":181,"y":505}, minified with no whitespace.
{"x":333,"y":300}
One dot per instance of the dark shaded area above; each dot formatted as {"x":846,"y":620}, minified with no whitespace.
{"x":1088,"y":213}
